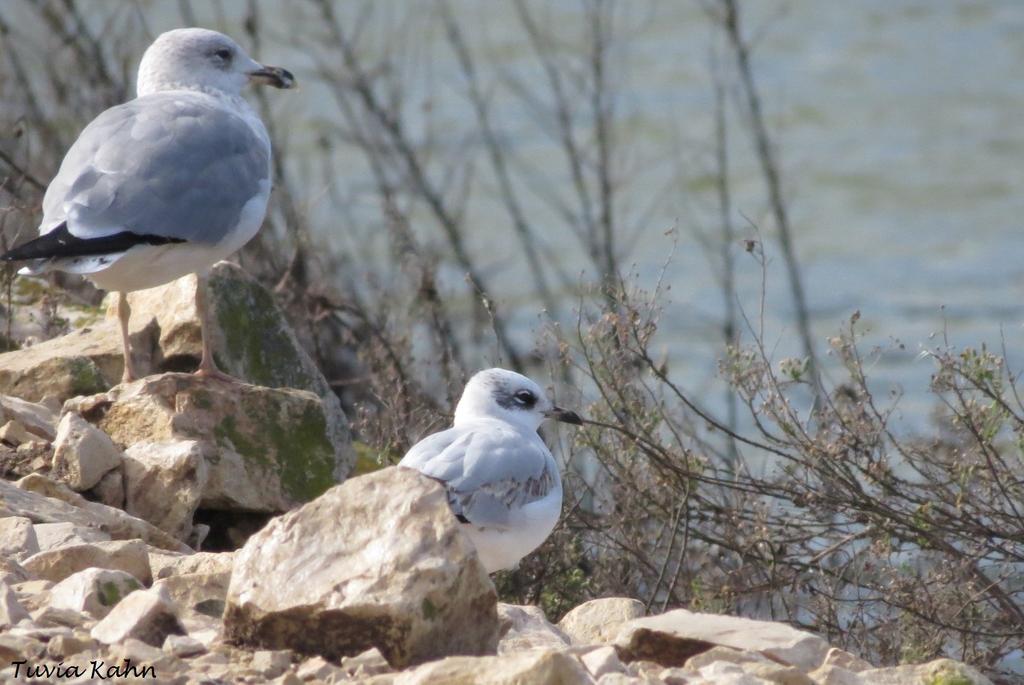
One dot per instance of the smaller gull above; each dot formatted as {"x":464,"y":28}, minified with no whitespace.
{"x":166,"y":184}
{"x":502,"y":480}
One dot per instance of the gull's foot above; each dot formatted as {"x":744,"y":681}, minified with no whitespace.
{"x":216,"y":374}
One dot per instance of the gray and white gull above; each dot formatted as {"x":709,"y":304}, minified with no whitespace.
{"x":502,"y":480}
{"x":166,"y":184}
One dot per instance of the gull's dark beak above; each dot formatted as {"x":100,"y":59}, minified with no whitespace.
{"x":564,"y":415}
{"x":273,"y":76}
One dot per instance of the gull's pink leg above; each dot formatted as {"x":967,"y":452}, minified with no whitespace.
{"x":124,"y":311}
{"x":207,"y":366}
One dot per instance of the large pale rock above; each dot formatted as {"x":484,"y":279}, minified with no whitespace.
{"x":17,"y":538}
{"x":83,"y":362}
{"x":45,"y":501}
{"x":251,"y":339}
{"x":82,"y":453}
{"x":37,"y":419}
{"x":536,"y":666}
{"x":59,"y":563}
{"x":267,"y":449}
{"x":938,"y":672}
{"x":673,"y":637}
{"x":142,"y":615}
{"x":526,"y":627}
{"x":164,"y":483}
{"x":599,"y":620}
{"x":93,"y":591}
{"x":378,"y":561}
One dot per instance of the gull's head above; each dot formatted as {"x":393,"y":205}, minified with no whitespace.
{"x":200,"y":59}
{"x":509,"y":396}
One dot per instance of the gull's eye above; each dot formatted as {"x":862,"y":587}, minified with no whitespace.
{"x":223,"y":54}
{"x":525,"y":398}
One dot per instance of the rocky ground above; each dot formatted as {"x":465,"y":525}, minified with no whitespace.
{"x":108,"y":491}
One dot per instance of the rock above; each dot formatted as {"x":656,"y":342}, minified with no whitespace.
{"x":24,"y":459}
{"x":143,"y":615}
{"x":251,"y":340}
{"x":164,"y":483}
{"x":51,"y":535}
{"x":33,"y":594}
{"x":599,"y":620}
{"x":271,"y":663}
{"x":141,"y":654}
{"x":59,"y":563}
{"x":183,"y":646}
{"x":17,"y":538}
{"x":938,"y":672}
{"x":94,"y":591}
{"x":267,"y":449}
{"x":45,"y":501}
{"x":843,"y":659}
{"x":50,"y":616}
{"x":20,"y":648}
{"x":202,"y":593}
{"x":318,"y":668}
{"x":673,"y":637}
{"x":110,"y":489}
{"x":166,"y":564}
{"x":11,"y":572}
{"x":536,"y":666}
{"x":63,"y":646}
{"x":83,"y":362}
{"x":368,"y":663}
{"x":13,"y":433}
{"x":602,"y":661}
{"x":82,"y":454}
{"x":378,"y":561}
{"x":36,"y":418}
{"x":526,"y":627}
{"x":829,"y":674}
{"x":11,"y":610}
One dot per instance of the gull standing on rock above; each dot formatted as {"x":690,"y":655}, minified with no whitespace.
{"x":166,"y":184}
{"x":502,"y":480}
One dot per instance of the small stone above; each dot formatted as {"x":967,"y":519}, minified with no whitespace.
{"x":599,"y":620}
{"x":533,"y":666}
{"x":828,"y":674}
{"x":270,"y":663}
{"x":94,"y":591}
{"x":164,"y":482}
{"x":11,"y":610}
{"x":59,"y":563}
{"x":602,"y":660}
{"x":63,"y":646}
{"x":110,"y":489}
{"x":82,"y":453}
{"x":14,"y":434}
{"x":183,"y":646}
{"x":51,"y":535}
{"x":142,"y":615}
{"x":843,"y":659}
{"x":166,"y":564}
{"x":50,"y":616}
{"x":11,"y":572}
{"x":36,"y":418}
{"x":672,"y":638}
{"x":318,"y":668}
{"x":526,"y":627}
{"x":370,"y":662}
{"x":17,"y":538}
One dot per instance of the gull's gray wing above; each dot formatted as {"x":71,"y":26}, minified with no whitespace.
{"x":170,"y":165}
{"x":487,"y":470}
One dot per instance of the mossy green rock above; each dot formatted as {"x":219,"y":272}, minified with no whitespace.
{"x":251,"y":340}
{"x":267,"y":449}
